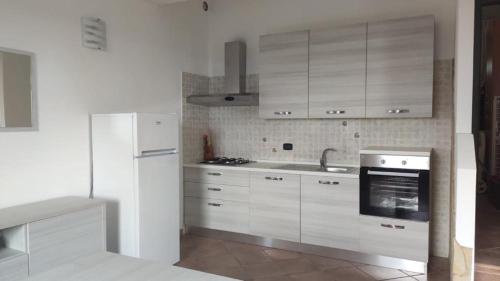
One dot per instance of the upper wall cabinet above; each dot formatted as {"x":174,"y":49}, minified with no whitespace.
{"x":337,"y":73}
{"x":400,"y":63}
{"x":284,"y":75}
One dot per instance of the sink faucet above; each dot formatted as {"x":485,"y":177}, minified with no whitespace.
{"x":323,"y":161}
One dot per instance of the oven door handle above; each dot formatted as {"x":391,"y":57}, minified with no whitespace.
{"x":393,"y":174}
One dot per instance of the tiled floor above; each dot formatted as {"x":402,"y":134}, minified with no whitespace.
{"x":254,"y":263}
{"x":487,"y":241}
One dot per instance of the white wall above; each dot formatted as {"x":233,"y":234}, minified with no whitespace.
{"x":247,"y":19}
{"x":2,"y":108}
{"x":149,"y":47}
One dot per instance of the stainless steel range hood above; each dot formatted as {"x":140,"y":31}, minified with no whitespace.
{"x":234,"y":81}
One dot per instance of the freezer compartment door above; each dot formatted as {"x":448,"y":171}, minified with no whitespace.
{"x":158,"y":200}
{"x":156,"y":132}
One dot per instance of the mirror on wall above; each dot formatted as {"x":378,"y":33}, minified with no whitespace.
{"x":16,"y":93}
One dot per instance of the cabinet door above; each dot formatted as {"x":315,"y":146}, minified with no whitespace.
{"x":13,"y":269}
{"x":65,"y":238}
{"x":217,"y":214}
{"x":395,"y":238}
{"x":330,"y":212}
{"x":275,"y":206}
{"x":337,"y":73}
{"x":400,"y":68}
{"x":284,"y":75}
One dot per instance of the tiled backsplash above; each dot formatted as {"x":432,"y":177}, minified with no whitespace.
{"x":238,"y":131}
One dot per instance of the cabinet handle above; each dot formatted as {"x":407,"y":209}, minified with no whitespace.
{"x":283,"y":113}
{"x":398,"y":111}
{"x":274,"y":179}
{"x":400,"y":227}
{"x":387,"y":225}
{"x":215,"y":174}
{"x":335,"y":112}
{"x":329,"y":182}
{"x":214,"y":189}
{"x":215,"y":204}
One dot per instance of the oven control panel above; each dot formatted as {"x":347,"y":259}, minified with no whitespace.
{"x":395,"y":161}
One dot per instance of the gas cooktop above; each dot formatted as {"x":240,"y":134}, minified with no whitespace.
{"x":224,"y":161}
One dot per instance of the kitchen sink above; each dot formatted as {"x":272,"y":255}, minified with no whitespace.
{"x":317,"y":168}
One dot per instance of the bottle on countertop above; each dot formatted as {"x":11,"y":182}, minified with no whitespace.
{"x":208,"y":150}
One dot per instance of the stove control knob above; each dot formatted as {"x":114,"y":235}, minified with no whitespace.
{"x":404,"y":162}
{"x":382,"y":161}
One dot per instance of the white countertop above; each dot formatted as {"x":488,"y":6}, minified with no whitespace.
{"x":403,"y":151}
{"x":23,"y":214}
{"x":281,"y":167}
{"x":111,"y":267}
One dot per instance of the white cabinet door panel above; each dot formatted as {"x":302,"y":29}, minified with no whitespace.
{"x":330,"y":212}
{"x":217,"y":191}
{"x":14,"y":269}
{"x":400,"y":68}
{"x":337,"y":74}
{"x":213,"y":176}
{"x":65,"y":238}
{"x":284,"y":75}
{"x":395,"y":238}
{"x":275,"y":206}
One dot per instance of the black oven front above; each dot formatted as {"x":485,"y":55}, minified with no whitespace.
{"x":395,"y":186}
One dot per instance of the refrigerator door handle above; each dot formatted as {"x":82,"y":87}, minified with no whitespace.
{"x":158,"y":152}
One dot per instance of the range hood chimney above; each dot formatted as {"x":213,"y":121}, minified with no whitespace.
{"x":234,"y":81}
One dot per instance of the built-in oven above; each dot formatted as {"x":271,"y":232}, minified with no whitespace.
{"x":395,"y":186}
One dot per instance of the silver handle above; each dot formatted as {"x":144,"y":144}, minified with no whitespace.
{"x":407,"y":175}
{"x":215,"y":204}
{"x":329,"y":182}
{"x":214,"y":189}
{"x":400,"y":227}
{"x":283,"y":113}
{"x":387,"y":225}
{"x":398,"y":111}
{"x":274,"y":179}
{"x":215,"y":174}
{"x":157,"y":152}
{"x":336,"y":112}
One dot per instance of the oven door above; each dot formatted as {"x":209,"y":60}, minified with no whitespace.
{"x":395,"y":193}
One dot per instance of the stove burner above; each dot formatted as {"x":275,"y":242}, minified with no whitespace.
{"x":227,"y":161}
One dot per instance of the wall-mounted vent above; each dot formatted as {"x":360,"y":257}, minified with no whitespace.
{"x":94,"y":33}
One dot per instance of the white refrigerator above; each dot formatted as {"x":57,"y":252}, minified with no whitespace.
{"x":136,"y":169}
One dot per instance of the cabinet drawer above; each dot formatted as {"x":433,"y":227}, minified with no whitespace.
{"x":395,"y":238}
{"x":217,"y":191}
{"x":275,"y":206}
{"x":330,"y":212}
{"x":15,"y":268}
{"x":215,"y":176}
{"x":65,"y":238}
{"x":217,"y":214}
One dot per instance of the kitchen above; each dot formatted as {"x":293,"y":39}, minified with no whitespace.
{"x":318,"y":112}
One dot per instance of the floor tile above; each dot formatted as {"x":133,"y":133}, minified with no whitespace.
{"x":479,"y":276}
{"x":277,"y":268}
{"x":282,"y":254}
{"x":382,"y":273}
{"x":274,"y":278}
{"x":349,"y":274}
{"x":411,"y":273}
{"x":313,"y":276}
{"x":247,"y":254}
{"x":327,"y":263}
{"x":198,"y":246}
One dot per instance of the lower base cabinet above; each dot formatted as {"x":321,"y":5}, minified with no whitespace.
{"x":329,"y":215}
{"x":275,"y":206}
{"x":394,"y":238}
{"x":65,"y":238}
{"x":217,"y":214}
{"x":14,"y":269}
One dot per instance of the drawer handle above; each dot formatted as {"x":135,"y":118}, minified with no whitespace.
{"x":215,"y":204}
{"x":329,"y":182}
{"x":398,"y":111}
{"x":214,"y":189}
{"x":215,"y":174}
{"x":387,"y":225}
{"x":283,"y":113}
{"x":274,"y":179}
{"x":335,"y":112}
{"x":400,"y":227}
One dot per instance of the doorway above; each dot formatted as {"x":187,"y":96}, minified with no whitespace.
{"x":486,"y":128}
